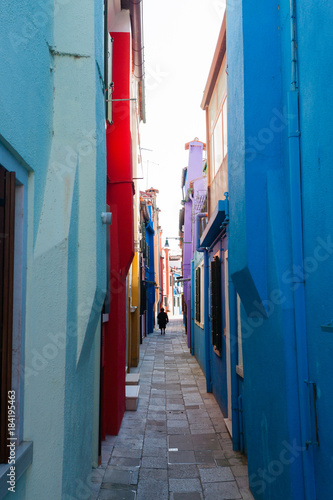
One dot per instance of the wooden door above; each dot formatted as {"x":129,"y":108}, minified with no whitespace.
{"x":7,"y":221}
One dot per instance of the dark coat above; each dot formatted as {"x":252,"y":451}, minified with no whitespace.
{"x":162,"y":319}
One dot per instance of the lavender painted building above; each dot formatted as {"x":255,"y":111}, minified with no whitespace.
{"x":194,"y":187}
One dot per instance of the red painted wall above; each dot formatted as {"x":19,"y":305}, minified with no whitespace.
{"x":120,"y":192}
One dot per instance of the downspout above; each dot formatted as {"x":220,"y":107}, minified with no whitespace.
{"x":198,"y":217}
{"x":137,"y":39}
{"x":297,"y":257}
{"x":138,"y":51}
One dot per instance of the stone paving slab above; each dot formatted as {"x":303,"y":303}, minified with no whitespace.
{"x":175,"y":446}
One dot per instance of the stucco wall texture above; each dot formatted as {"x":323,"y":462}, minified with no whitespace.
{"x":53,"y":123}
{"x":261,"y":189}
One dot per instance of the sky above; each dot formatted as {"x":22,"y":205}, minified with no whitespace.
{"x":179,"y":43}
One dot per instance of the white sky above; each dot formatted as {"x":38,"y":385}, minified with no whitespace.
{"x":180,"y":38}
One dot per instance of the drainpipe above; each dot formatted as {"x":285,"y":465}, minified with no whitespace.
{"x":198,"y":217}
{"x":137,"y":39}
{"x":297,"y":256}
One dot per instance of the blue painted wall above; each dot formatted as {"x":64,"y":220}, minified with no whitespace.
{"x":150,"y":274}
{"x":219,"y":363}
{"x":218,"y":372}
{"x":260,"y":251}
{"x":316,"y":104}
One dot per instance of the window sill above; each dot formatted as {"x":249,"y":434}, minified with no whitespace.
{"x":217,"y":352}
{"x":200,"y":325}
{"x":23,"y":460}
{"x":239,"y":371}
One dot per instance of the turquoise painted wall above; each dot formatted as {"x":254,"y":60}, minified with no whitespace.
{"x":198,"y":332}
{"x":52,"y":111}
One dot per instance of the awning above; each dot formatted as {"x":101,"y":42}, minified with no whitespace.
{"x":214,"y":225}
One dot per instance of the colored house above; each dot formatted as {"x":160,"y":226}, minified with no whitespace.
{"x":166,"y":277}
{"x":193,"y":181}
{"x":220,"y":365}
{"x":125,"y":108}
{"x":277,"y":252}
{"x":176,"y":286}
{"x":53,"y":244}
{"x":150,"y":251}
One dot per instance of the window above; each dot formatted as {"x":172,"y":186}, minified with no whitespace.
{"x":216,"y":304}
{"x":218,"y":124}
{"x":199,"y":295}
{"x":225,"y":126}
{"x":143,"y":240}
{"x":218,"y":144}
{"x":147,"y":256}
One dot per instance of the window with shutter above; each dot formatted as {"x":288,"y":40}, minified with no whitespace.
{"x":143,"y":301}
{"x":147,"y":255}
{"x":216,"y":303}
{"x":143,"y":240}
{"x":197,"y":294}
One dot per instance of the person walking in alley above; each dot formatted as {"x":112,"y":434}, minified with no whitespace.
{"x":162,"y":320}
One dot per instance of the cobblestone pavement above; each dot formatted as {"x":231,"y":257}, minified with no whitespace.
{"x":175,"y":446}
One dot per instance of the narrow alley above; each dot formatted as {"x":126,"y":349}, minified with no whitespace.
{"x":175,"y":446}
